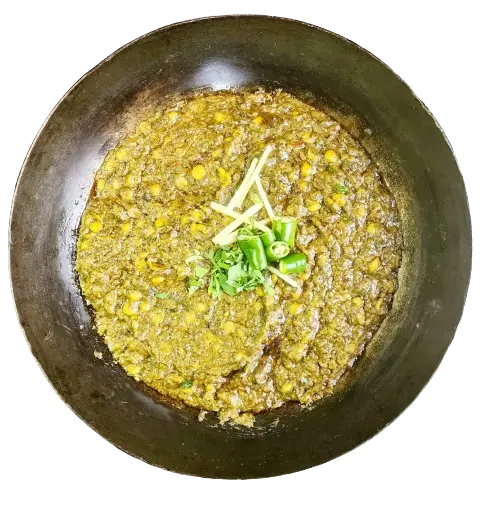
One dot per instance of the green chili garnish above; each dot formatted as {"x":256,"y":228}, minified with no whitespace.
{"x":277,"y":250}
{"x":285,"y":229}
{"x":295,"y":263}
{"x":268,"y":238}
{"x":253,"y":249}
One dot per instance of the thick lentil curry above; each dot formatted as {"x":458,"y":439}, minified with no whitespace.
{"x":150,"y":211}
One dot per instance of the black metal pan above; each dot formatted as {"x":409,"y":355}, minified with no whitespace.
{"x":324,"y":69}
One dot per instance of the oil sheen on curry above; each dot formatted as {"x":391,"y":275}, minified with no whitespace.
{"x":174,"y":252}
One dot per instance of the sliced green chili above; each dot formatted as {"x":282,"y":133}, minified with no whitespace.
{"x":267,"y":238}
{"x":253,"y":249}
{"x":277,"y":250}
{"x":295,"y":263}
{"x":285,"y":229}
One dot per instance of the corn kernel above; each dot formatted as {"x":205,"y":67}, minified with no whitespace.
{"x":133,"y":370}
{"x":303,"y":185}
{"x":185,"y":219}
{"x":224,"y":177}
{"x":259,"y":291}
{"x":198,"y":172}
{"x":357,"y":301}
{"x":122,"y":154}
{"x":100,"y":184}
{"x":164,"y":348}
{"x":313,"y":206}
{"x":130,"y":308}
{"x":217,"y":153}
{"x":360,"y":211}
{"x":116,"y":184}
{"x":172,"y":115}
{"x":110,"y":165}
{"x":198,"y":228}
{"x":378,"y":304}
{"x":258,"y":120}
{"x":331,"y":156}
{"x":312,"y":157}
{"x":306,"y":169}
{"x":229,"y":327}
{"x":295,"y":308}
{"x":190,"y":317}
{"x":161,"y":221}
{"x":306,"y":136}
{"x":135,"y":295}
{"x":130,"y":180}
{"x":84,"y":245}
{"x":292,"y":175}
{"x":149,"y":231}
{"x":144,"y":127}
{"x":133,"y":212}
{"x":141,"y":264}
{"x":181,"y":182}
{"x":196,"y":215}
{"x":374,"y":264}
{"x":126,"y":194}
{"x":155,"y":189}
{"x":219,"y":117}
{"x":286,"y":387}
{"x":157,"y":280}
{"x":95,"y":226}
{"x":339,"y":198}
{"x":157,"y":154}
{"x":144,"y":306}
{"x":296,"y":294}
{"x":372,"y":228}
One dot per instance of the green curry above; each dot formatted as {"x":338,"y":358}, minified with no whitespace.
{"x":150,"y":211}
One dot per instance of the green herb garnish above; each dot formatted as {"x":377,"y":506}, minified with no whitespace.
{"x":186,"y":384}
{"x":231,"y":273}
{"x":340,"y":187}
{"x":194,"y":284}
{"x":200,"y":272}
{"x":161,"y":295}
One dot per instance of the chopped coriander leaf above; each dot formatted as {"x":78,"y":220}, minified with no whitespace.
{"x":340,"y":187}
{"x":186,"y":384}
{"x":194,"y":284}
{"x":161,"y":295}
{"x":200,"y":272}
